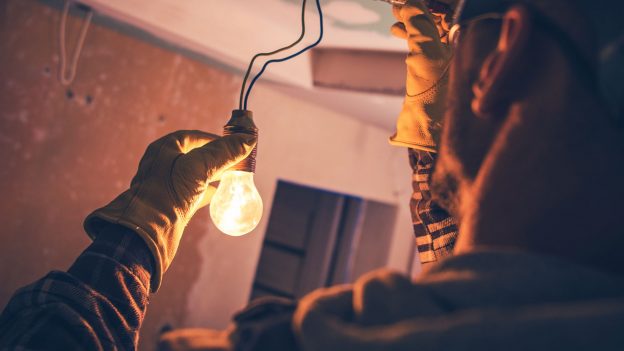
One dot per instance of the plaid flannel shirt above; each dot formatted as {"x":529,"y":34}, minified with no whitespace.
{"x":435,"y":230}
{"x":98,"y":304}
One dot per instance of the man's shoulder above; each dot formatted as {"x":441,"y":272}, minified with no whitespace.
{"x":503,"y":278}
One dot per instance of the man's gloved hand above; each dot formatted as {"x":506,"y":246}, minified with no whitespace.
{"x":171,"y":184}
{"x":419,"y":124}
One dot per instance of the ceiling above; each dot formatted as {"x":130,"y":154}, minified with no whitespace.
{"x":231,"y":32}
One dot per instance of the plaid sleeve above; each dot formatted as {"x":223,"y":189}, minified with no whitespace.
{"x":435,"y":229}
{"x":98,"y":304}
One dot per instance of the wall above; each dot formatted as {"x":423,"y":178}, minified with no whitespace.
{"x":64,"y":152}
{"x":253,"y":25}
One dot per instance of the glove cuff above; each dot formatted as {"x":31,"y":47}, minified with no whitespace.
{"x":98,"y":219}
{"x":419,"y":124}
{"x":394,"y":140}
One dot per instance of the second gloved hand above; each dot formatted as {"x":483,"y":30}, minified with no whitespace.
{"x":419,"y":124}
{"x":171,"y":184}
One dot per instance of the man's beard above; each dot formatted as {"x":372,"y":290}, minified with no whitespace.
{"x":448,"y":174}
{"x":445,"y":191}
{"x":461,"y":152}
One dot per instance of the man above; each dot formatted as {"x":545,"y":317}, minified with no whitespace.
{"x":531,"y":164}
{"x":537,"y":263}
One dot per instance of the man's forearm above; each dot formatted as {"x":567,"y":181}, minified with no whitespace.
{"x":99,"y":303}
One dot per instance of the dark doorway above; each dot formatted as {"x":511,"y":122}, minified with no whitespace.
{"x":318,"y":238}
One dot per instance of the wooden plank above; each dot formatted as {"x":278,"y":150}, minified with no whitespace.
{"x":359,"y":70}
{"x":348,"y":241}
{"x":289,"y":227}
{"x":321,"y":243}
{"x":293,"y":195}
{"x":375,"y":239}
{"x":278,"y":270}
{"x":293,"y":208}
{"x":260,"y":291}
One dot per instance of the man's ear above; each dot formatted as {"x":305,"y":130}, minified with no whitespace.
{"x":499,"y":75}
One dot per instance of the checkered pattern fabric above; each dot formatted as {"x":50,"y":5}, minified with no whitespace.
{"x":435,"y":230}
{"x":99,"y":304}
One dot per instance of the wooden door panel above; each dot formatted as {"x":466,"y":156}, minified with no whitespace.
{"x":278,"y":270}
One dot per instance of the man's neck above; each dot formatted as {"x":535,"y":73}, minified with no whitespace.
{"x":551,"y":183}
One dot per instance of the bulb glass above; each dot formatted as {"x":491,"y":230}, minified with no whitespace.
{"x":236,"y":207}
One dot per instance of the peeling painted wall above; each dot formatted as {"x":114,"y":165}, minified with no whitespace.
{"x":65,"y":152}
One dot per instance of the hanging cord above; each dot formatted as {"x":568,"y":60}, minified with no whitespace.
{"x":66,"y":78}
{"x":266,"y":64}
{"x":253,"y":60}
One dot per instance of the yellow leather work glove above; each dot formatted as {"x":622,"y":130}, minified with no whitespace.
{"x":419,"y":123}
{"x":171,"y":184}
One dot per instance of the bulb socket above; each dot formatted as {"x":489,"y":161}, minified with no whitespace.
{"x":242,"y":122}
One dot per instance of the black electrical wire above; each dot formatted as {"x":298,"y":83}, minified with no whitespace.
{"x":253,"y":60}
{"x":266,"y":64}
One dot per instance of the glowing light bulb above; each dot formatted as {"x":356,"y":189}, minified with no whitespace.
{"x":236,"y":207}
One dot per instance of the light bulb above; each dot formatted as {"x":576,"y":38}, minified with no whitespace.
{"x":236,"y":207}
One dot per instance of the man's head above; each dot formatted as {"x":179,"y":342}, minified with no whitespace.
{"x":530,"y":155}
